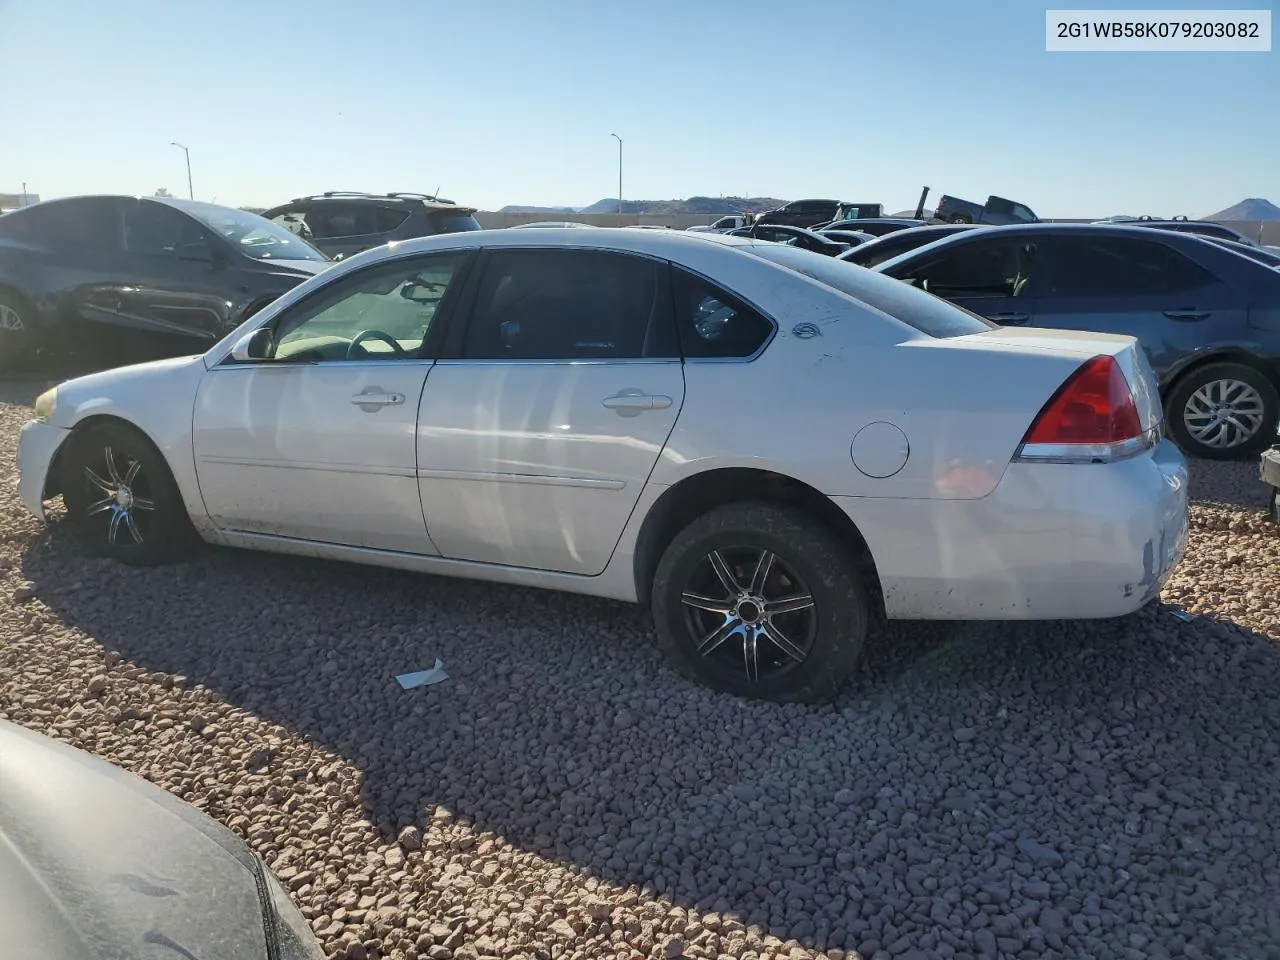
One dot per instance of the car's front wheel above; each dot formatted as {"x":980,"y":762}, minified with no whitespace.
{"x":16,"y":335}
{"x":761,"y":600}
{"x":122,"y":498}
{"x":1222,"y":411}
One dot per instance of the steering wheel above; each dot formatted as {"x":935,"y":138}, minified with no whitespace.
{"x":363,"y":335}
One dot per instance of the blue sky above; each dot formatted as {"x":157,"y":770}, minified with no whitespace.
{"x":513,"y":101}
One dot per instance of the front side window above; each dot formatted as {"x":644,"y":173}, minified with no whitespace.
{"x":252,"y":235}
{"x":713,"y":323}
{"x":569,"y":305}
{"x":994,"y":268}
{"x":153,"y":229}
{"x":382,"y":313}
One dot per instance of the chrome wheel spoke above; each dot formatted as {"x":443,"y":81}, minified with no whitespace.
{"x":718,"y":636}
{"x":725,"y":575}
{"x":761,"y":575}
{"x":143,"y":503}
{"x":710,"y":604}
{"x":105,"y":486}
{"x":109,"y":456}
{"x":9,"y":320}
{"x":134,"y":532}
{"x":783,"y":642}
{"x":801,"y":601}
{"x":117,"y":516}
{"x":131,"y":474}
{"x":751,"y":654}
{"x":96,"y":508}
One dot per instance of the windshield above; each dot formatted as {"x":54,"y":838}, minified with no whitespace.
{"x":252,"y":235}
{"x":903,"y":302}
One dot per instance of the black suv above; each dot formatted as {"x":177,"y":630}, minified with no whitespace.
{"x":343,"y":223}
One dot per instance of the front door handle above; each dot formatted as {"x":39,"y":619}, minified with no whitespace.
{"x":1011,"y":318}
{"x":631,"y":403}
{"x":1186,"y":315}
{"x":375,"y":398}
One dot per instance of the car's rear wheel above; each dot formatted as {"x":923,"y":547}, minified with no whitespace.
{"x":122,"y":498}
{"x":16,"y":336}
{"x":961,"y":218}
{"x":761,"y":600}
{"x":1222,"y":411}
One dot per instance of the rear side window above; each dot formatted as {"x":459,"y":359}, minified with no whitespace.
{"x":1114,"y":267}
{"x":903,"y":302}
{"x":714,"y":324}
{"x":89,"y":222}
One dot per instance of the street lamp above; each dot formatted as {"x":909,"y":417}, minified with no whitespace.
{"x":191,"y":193}
{"x":619,"y":139}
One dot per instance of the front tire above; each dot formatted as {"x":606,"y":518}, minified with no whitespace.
{"x":761,"y":600}
{"x":1223,"y":411}
{"x":122,"y":499}
{"x":17,"y":338}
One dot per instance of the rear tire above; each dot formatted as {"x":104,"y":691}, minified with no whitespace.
{"x":17,"y":339}
{"x":761,"y":600}
{"x":1223,"y":411}
{"x":961,"y":218}
{"x":122,"y":499}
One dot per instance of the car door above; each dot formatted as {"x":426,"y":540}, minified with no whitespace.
{"x":315,"y":440}
{"x":177,"y":285}
{"x":537,"y":436}
{"x":1140,"y":287}
{"x":994,"y":277}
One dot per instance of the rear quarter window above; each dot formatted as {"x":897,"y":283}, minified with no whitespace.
{"x":922,"y":311}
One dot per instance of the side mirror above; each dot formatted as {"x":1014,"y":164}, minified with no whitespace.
{"x":254,"y":346}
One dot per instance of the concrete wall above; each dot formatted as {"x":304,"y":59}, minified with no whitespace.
{"x":1263,"y":231}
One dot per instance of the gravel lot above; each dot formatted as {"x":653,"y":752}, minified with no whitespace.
{"x":1058,"y":790}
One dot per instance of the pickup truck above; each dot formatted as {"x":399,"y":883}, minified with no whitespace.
{"x":725,"y":224}
{"x":997,"y":210}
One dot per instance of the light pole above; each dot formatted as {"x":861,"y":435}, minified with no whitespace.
{"x":190,"y":193}
{"x":619,"y":139}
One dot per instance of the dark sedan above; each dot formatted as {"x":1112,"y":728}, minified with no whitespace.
{"x":137,"y":277}
{"x":901,"y":241}
{"x":1208,"y":318}
{"x":97,"y":863}
{"x":876,"y":226}
{"x":795,"y":236}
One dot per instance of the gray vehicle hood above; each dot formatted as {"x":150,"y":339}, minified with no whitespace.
{"x":96,"y":863}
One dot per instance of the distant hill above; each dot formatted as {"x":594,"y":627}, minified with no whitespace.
{"x":519,"y":208}
{"x":1255,"y":208}
{"x":708,"y":206}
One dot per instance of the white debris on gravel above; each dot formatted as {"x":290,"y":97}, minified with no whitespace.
{"x":1098,"y":790}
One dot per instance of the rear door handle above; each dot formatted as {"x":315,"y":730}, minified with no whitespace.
{"x":631,"y":404}
{"x":1186,"y":315}
{"x":1011,"y":318}
{"x":374,"y":398}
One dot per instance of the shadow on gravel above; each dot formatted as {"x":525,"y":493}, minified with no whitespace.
{"x":1046,"y":788}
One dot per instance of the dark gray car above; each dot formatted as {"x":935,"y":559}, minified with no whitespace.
{"x":97,"y":863}
{"x":1208,"y":318}
{"x":342,"y":223}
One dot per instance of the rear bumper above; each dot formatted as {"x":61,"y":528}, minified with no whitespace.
{"x":1051,"y":542}
{"x":38,"y":443}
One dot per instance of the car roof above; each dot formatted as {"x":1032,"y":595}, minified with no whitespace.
{"x":393,"y":199}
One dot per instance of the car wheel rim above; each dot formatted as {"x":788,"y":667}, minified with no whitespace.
{"x":120,"y":498}
{"x":1224,"y":413}
{"x":749,"y":613}
{"x":10,"y":320}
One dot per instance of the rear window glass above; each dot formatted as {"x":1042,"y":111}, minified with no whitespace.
{"x":448,"y":222}
{"x":903,"y":302}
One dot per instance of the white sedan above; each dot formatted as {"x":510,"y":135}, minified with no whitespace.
{"x":770,"y":448}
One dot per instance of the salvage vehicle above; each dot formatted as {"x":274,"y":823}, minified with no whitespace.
{"x":96,"y":862}
{"x":899,"y":242}
{"x":725,"y":224}
{"x":818,"y":213}
{"x":1270,"y":473}
{"x":138,"y":277}
{"x":768,"y":448}
{"x":876,"y":226}
{"x":795,"y":236}
{"x":1205,"y":227}
{"x":344,"y":222}
{"x":1208,"y":318}
{"x":997,"y":210}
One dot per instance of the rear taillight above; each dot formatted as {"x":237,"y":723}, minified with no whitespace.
{"x":1092,"y":418}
